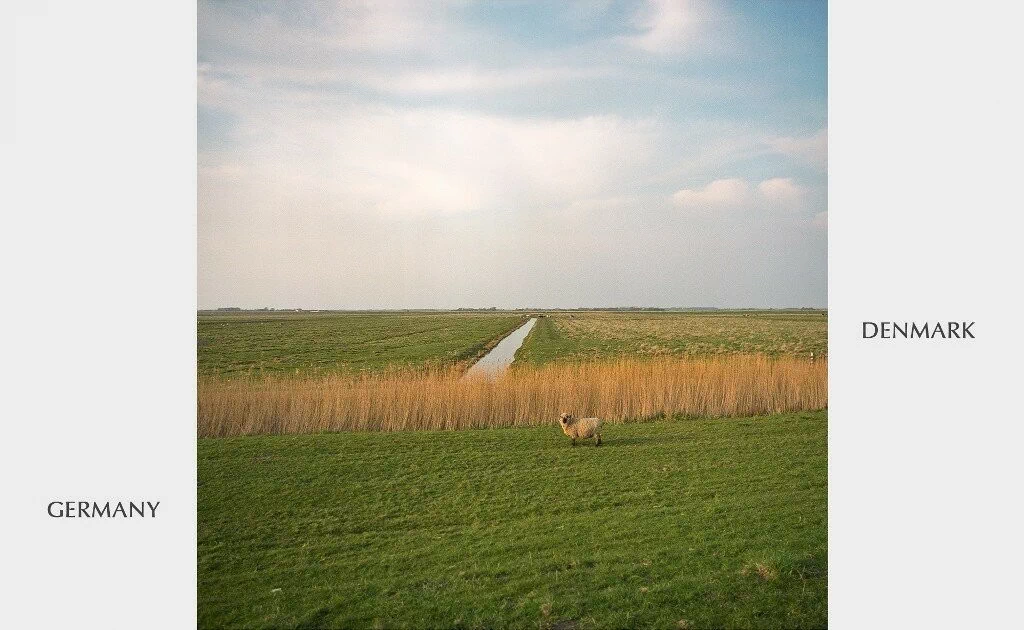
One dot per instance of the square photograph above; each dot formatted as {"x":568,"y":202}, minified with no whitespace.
{"x":512,"y":314}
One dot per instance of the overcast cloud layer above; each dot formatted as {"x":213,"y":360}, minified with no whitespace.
{"x":509,"y":154}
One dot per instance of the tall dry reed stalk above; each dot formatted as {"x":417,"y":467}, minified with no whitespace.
{"x":398,"y":400}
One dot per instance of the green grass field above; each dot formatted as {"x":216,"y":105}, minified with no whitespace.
{"x":673,"y":524}
{"x":590,"y":335}
{"x":313,"y":343}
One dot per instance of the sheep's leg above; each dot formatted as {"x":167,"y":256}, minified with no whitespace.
{"x":574,"y":441}
{"x":598,"y":440}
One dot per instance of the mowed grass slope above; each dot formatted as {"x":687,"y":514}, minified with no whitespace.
{"x":318,"y":343}
{"x":687,"y":523}
{"x":594,"y":335}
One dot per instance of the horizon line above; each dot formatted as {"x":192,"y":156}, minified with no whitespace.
{"x":521,"y":308}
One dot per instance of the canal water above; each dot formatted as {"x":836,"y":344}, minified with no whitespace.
{"x":501,"y":356}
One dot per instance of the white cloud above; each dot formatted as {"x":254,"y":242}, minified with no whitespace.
{"x":778,"y":194}
{"x":811,"y":150}
{"x":673,"y":26}
{"x":385,"y":25}
{"x":782,"y":191}
{"x":236,"y":85}
{"x":398,"y":162}
{"x":721,"y":193}
{"x":443,"y":81}
{"x":283,"y":30}
{"x":664,"y":25}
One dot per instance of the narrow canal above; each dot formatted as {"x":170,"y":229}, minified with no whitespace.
{"x":501,"y":356}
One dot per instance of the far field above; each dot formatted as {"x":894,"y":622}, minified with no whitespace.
{"x":232,"y":344}
{"x":673,"y":524}
{"x":595,"y":335}
{"x":255,"y":343}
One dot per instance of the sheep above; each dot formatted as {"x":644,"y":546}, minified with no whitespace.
{"x":580,"y":428}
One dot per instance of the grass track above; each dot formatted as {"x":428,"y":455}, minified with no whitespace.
{"x":721,"y":523}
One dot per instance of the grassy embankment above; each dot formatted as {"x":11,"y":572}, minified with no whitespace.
{"x":314,"y":344}
{"x":690,"y":523}
{"x":597,"y":335}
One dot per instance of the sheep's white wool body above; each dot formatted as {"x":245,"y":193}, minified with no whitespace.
{"x":581,"y":428}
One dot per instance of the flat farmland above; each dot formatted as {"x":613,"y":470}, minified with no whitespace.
{"x":598,"y":335}
{"x":255,"y":343}
{"x":349,"y":476}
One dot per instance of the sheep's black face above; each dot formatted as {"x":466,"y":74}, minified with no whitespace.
{"x":564,"y":419}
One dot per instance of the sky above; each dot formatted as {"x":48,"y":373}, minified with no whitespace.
{"x":447,"y":154}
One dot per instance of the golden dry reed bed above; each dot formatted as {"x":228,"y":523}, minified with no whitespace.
{"x":399,"y":400}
